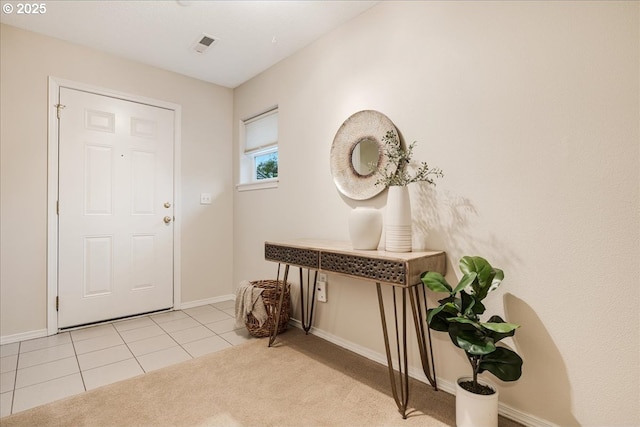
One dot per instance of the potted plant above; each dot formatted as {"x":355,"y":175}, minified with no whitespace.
{"x":459,"y":315}
{"x":396,"y":175}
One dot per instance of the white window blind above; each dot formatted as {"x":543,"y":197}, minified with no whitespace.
{"x":261,"y":132}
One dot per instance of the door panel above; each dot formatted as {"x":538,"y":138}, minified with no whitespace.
{"x":97,"y":263}
{"x":115,"y":176}
{"x":98,"y":179}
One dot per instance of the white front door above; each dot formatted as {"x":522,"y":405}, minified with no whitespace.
{"x":115,"y":221}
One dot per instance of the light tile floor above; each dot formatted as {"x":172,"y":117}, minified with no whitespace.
{"x":42,"y":370}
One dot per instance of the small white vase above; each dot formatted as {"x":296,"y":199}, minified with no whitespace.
{"x":476,"y":410}
{"x":365,"y":228}
{"x":397,"y":222}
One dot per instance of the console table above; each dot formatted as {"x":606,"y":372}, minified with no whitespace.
{"x":402,"y":271}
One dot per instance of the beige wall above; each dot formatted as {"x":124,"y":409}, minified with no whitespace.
{"x":530,"y":108}
{"x":532,"y":111}
{"x":26,"y":62}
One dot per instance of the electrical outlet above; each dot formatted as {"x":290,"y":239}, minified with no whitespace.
{"x":321,"y":291}
{"x":205,"y":198}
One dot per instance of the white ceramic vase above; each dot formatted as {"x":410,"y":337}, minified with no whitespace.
{"x":365,"y":228}
{"x":397,"y":222}
{"x":476,"y":410}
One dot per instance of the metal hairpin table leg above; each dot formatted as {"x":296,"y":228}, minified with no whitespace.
{"x":311,"y":297}
{"x":402,"y":379}
{"x":428,"y":366}
{"x":273,"y":333}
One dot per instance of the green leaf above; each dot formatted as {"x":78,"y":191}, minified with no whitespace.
{"x":475,"y":264}
{"x":478,"y":308}
{"x":436,"y":282}
{"x":488,"y":278}
{"x":497,"y":335}
{"x":466,"y":280}
{"x":500,"y":327}
{"x":484,"y":270}
{"x":466,"y":321}
{"x":434,"y":311}
{"x":468,"y":305}
{"x":497,"y":279}
{"x":439,"y":323}
{"x":450,"y":299}
{"x":503,"y":363}
{"x":437,"y":318}
{"x":475,"y":344}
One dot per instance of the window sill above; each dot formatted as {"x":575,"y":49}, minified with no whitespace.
{"x":258,"y":185}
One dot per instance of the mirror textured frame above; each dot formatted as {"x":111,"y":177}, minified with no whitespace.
{"x":363,"y":126}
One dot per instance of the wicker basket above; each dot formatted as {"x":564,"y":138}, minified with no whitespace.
{"x":270,"y":298}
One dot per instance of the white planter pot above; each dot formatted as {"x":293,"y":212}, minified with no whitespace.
{"x":476,"y":410}
{"x":365,"y":228}
{"x":397,"y":222}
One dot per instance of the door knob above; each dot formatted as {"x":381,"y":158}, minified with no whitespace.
{"x":167,"y":219}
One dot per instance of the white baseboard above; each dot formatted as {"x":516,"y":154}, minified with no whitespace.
{"x":418,"y":374}
{"x":197,"y":303}
{"x":523,"y":418}
{"x":23,"y":336}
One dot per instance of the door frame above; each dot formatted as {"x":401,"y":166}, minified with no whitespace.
{"x":52,"y":186}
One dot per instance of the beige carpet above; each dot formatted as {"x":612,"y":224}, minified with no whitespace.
{"x":302,"y":381}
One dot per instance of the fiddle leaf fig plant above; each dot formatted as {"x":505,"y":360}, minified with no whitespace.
{"x":459,"y":315}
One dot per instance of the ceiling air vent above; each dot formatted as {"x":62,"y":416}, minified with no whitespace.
{"x":203,"y":43}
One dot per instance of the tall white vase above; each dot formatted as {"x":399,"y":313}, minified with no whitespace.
{"x":365,"y":228}
{"x":475,"y":410}
{"x":397,"y":223}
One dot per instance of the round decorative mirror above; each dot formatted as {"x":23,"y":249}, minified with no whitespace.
{"x":357,"y":152}
{"x":364,"y":156}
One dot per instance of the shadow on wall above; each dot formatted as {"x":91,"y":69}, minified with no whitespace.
{"x":445,"y":221}
{"x":543,"y":370}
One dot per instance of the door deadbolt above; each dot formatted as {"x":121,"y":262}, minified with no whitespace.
{"x":167,"y":219}
{"x":167,"y":205}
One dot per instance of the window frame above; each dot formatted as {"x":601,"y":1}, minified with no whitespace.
{"x":254,"y":155}
{"x":247,"y":175}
